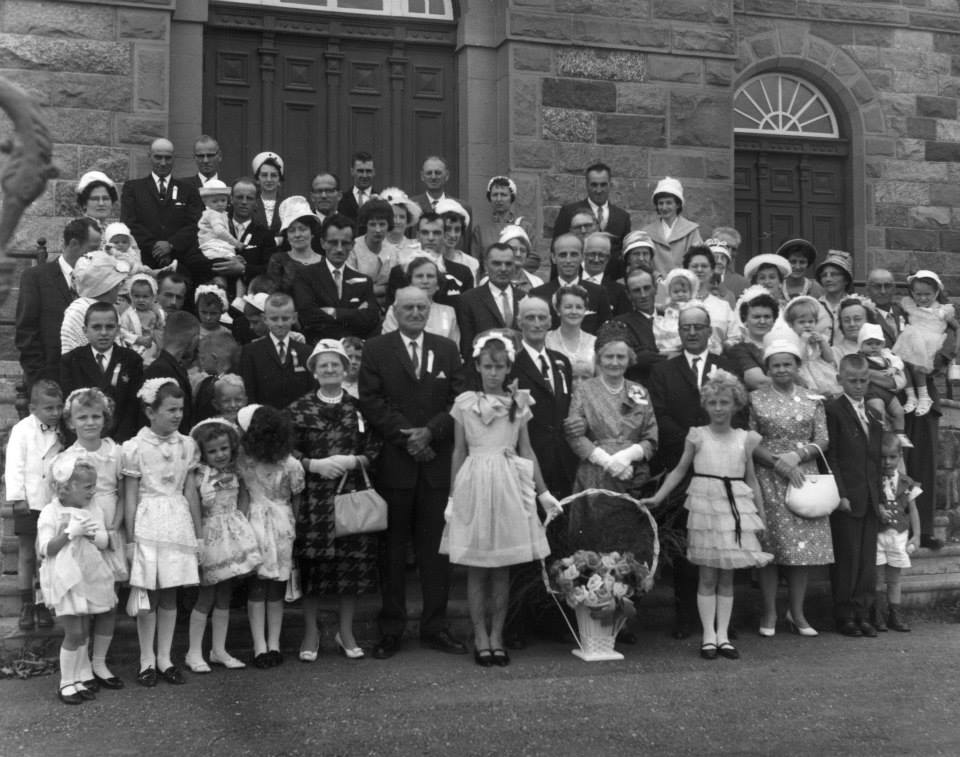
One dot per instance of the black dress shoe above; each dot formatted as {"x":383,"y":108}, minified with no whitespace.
{"x":626,"y":637}
{"x":92,"y":685}
{"x":173,"y":675}
{"x":443,"y":642}
{"x":500,"y":658}
{"x":866,"y":629}
{"x":387,"y":647}
{"x":515,"y":642}
{"x":71,"y":698}
{"x":84,"y":692}
{"x":263,"y":661}
{"x":108,"y":683}
{"x":849,"y":628}
{"x":728,"y":650}
{"x":147,"y":677}
{"x":930,"y":542}
{"x":276,"y":658}
{"x":483,"y":657}
{"x":708,"y":651}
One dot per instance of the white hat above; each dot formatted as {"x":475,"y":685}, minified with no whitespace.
{"x":98,"y":272}
{"x":635,"y":240}
{"x":214,"y":290}
{"x":213,"y":188}
{"x":116,"y":229}
{"x":262,"y":157}
{"x":870,"y":331}
{"x":768,"y":258}
{"x":682,"y":273}
{"x":924,"y":274}
{"x":510,"y":183}
{"x":328,"y":345}
{"x":293,"y":209}
{"x":245,"y":415}
{"x":258,"y":300}
{"x":513,"y":231}
{"x":781,"y":344}
{"x":396,"y":196}
{"x":94,"y":176}
{"x":719,"y":247}
{"x":670,"y":186}
{"x":448,"y":205}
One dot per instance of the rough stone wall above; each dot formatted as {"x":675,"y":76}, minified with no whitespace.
{"x":643,"y":85}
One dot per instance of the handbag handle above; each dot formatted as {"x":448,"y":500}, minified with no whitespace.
{"x":363,"y":469}
{"x":822,"y":457}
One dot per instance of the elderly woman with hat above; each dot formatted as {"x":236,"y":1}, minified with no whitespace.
{"x":757,"y":310}
{"x":769,"y":271}
{"x":835,"y":275}
{"x":792,"y":424}
{"x":268,"y":171}
{"x":98,"y":277}
{"x":502,"y":194}
{"x":672,"y":234}
{"x":337,"y":446}
{"x":96,"y":196}
{"x":298,"y":225}
{"x":801,"y":255}
{"x":517,"y":239}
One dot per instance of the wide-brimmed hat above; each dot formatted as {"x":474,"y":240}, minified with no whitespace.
{"x":396,"y":196}
{"x":838,"y":258}
{"x":98,"y":272}
{"x":257,"y":301}
{"x":668,"y":186}
{"x":328,"y":345}
{"x":779,"y":342}
{"x":870,"y":331}
{"x":798,"y":245}
{"x":449,"y":205}
{"x":262,"y":157}
{"x":924,"y":274}
{"x":513,"y":231}
{"x":293,"y":209}
{"x":635,"y":240}
{"x":213,"y":188}
{"x":757,"y":261}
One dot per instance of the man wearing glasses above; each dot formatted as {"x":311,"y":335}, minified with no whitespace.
{"x":881,"y":288}
{"x":207,"y":154}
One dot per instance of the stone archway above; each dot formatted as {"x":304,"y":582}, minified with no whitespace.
{"x":856,"y":101}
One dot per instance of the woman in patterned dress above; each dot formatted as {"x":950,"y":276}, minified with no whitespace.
{"x":791,"y":421}
{"x":333,"y":438}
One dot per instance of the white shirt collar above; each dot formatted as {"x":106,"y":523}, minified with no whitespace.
{"x":156,"y":180}
{"x":67,"y":271}
{"x":535,"y":354}
{"x":573,"y":282}
{"x":277,"y":342}
{"x":596,"y":278}
{"x":496,"y":291}
{"x":331,"y":267}
{"x":690,"y":356}
{"x":596,"y":208}
{"x":856,"y":403}
{"x":418,"y":340}
{"x":205,"y":179}
{"x":107,"y":353}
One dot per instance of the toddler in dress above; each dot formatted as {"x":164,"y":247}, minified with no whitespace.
{"x":228,"y":546}
{"x":88,"y":412}
{"x":883,"y":396}
{"x":680,"y":285}
{"x":141,"y":323}
{"x":76,"y":580}
{"x":274,"y":480}
{"x":161,"y":525}
{"x":492,"y":520}
{"x":213,"y":229}
{"x":725,"y":508}
{"x":929,"y":315}
{"x":818,"y":366}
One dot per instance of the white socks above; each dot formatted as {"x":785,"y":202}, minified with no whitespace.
{"x":84,"y":672}
{"x":101,"y":645}
{"x":724,"y":611}
{"x":256,"y":613}
{"x":707,"y":608}
{"x":146,"y":631}
{"x":220,"y":624}
{"x":166,"y":624}
{"x":274,"y":624}
{"x":198,"y":626}
{"x":68,"y":673}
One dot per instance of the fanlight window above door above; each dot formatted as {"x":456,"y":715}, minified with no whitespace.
{"x":773,"y":104}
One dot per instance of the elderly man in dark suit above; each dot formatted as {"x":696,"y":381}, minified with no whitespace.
{"x":435,"y":173}
{"x":674,"y":387}
{"x":162,"y":213}
{"x":117,"y":371}
{"x":207,"y":154}
{"x":493,"y":305}
{"x":567,"y":254}
{"x":332,"y":299}
{"x":46,"y":290}
{"x":610,"y":218}
{"x":408,"y":381}
{"x":596,"y":257}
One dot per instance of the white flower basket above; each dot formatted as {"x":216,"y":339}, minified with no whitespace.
{"x":597,"y":637}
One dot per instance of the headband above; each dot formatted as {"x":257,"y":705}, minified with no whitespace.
{"x":481,"y":342}
{"x":148,"y":392}
{"x":510,"y":183}
{"x":212,"y":289}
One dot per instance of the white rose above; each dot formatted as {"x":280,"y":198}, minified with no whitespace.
{"x":594,"y":583}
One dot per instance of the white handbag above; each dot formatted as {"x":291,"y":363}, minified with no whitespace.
{"x":818,"y":496}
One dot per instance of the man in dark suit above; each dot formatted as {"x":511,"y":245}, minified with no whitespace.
{"x":567,"y":254}
{"x":259,"y":240}
{"x":117,"y":371}
{"x":324,"y":198}
{"x":596,"y":256}
{"x":455,"y":278}
{"x":435,"y":173}
{"x":207,"y":154}
{"x":639,"y":323}
{"x":274,"y":367}
{"x":854,"y":455}
{"x":181,"y":335}
{"x":333,"y":300}
{"x":548,"y":377}
{"x":675,"y":393}
{"x":217,"y":354}
{"x":162,"y":213}
{"x":46,"y":290}
{"x":610,"y":218}
{"x":493,"y":305}
{"x":408,"y":381}
{"x":362,"y":171}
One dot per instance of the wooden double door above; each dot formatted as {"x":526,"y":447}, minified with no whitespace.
{"x":317,"y":99}
{"x":790,"y":189}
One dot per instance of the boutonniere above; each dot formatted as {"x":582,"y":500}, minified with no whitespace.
{"x":175,"y":193}
{"x":816,"y":397}
{"x":558,"y":371}
{"x":636,"y":397}
{"x":712,"y":370}
{"x":357,"y":280}
{"x":429,"y":361}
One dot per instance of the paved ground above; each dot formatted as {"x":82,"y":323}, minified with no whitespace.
{"x":894,"y":695}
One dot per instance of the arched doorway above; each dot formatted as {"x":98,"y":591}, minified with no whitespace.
{"x":792,"y":169}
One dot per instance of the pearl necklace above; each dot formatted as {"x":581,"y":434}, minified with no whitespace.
{"x":330,"y":400}
{"x":609,"y":388}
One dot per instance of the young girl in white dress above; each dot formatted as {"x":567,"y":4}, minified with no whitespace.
{"x":87,"y":412}
{"x":274,"y":480}
{"x":929,"y":315}
{"x":228,"y":547}
{"x":76,"y":580}
{"x":492,"y":520}
{"x":160,"y":523}
{"x":725,"y":507}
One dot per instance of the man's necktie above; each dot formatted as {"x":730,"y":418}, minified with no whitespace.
{"x":415,"y":358}
{"x":102,"y":362}
{"x":506,"y":296}
{"x":338,"y":280}
{"x":545,"y":370}
{"x":601,"y":221}
{"x":695,"y":365}
{"x":163,"y":189}
{"x":862,"y":415}
{"x":282,"y":353}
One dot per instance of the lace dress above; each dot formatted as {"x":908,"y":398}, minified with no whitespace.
{"x":271,"y":486}
{"x":228,"y":547}
{"x":784,"y":423}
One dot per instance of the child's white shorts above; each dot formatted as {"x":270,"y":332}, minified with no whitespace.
{"x":892,"y":548}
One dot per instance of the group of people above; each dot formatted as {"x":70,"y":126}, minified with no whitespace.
{"x":204,"y":383}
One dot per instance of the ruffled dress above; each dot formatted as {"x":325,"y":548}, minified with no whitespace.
{"x":922,"y":337}
{"x":493,"y":519}
{"x":165,"y":552}
{"x":76,"y":580}
{"x":723,"y":521}
{"x":271,"y":486}
{"x":108,"y":460}
{"x":228,"y":546}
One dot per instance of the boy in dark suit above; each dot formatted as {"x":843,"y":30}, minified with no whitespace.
{"x":854,"y":455}
{"x":117,"y":371}
{"x":274,"y":367}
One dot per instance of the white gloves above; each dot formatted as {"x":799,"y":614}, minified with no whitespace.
{"x":331,"y":467}
{"x":599,"y":457}
{"x":635,"y":453}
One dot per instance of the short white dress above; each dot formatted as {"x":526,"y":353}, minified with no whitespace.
{"x":922,"y":337}
{"x":108,"y":460}
{"x":271,"y":486}
{"x":165,"y":549}
{"x":76,"y":580}
{"x":493,"y":519}
{"x":723,"y":521}
{"x":228,"y":546}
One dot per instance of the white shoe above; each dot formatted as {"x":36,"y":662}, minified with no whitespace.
{"x":226,"y":660}
{"x":352,"y":653}
{"x":800,"y":630}
{"x":924,"y":406}
{"x":910,"y":405}
{"x":196,"y":664}
{"x":905,"y":441}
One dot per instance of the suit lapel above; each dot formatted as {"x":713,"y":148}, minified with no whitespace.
{"x":400,"y":348}
{"x":486,"y":297}
{"x":327,"y":286}
{"x":525,"y":363}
